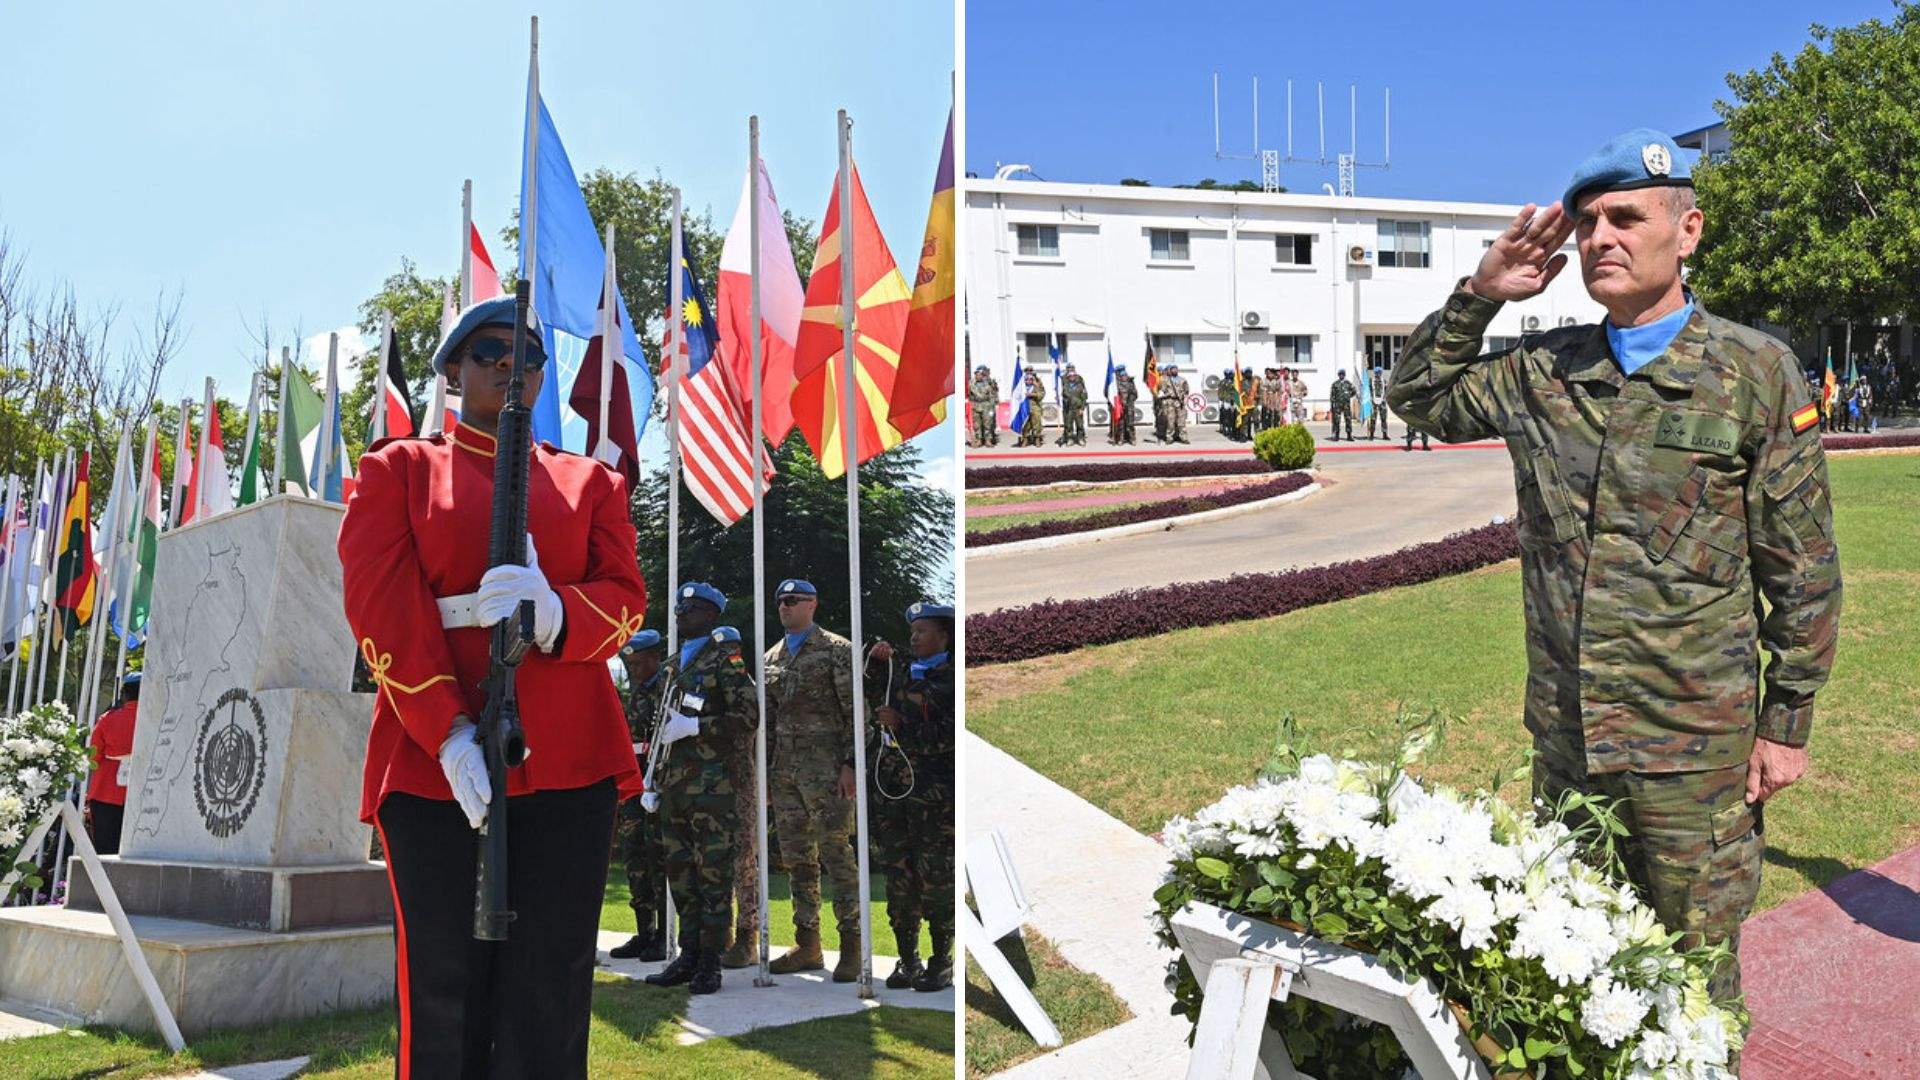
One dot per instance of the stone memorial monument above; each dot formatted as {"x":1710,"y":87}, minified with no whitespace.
{"x":243,"y":862}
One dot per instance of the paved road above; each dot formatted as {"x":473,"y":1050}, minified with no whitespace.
{"x":1371,"y":503}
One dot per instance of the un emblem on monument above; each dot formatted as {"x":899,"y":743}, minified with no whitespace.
{"x":229,"y":762}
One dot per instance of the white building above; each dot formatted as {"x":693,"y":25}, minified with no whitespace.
{"x":1313,"y":282}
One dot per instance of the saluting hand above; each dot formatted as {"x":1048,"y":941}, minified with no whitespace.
{"x":1523,"y":261}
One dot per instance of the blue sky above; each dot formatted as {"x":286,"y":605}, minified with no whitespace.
{"x":280,"y":158}
{"x":1492,"y":102}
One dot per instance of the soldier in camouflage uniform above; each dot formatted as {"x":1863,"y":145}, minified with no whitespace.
{"x":984,"y":395}
{"x":1127,"y":395}
{"x":1377,"y":398}
{"x":1340,"y":405}
{"x":810,"y":710}
{"x":693,"y":789}
{"x":1073,"y":408}
{"x":910,"y":745}
{"x":1170,"y":401}
{"x":1032,"y":433}
{"x":639,"y":832}
{"x":1674,"y":523}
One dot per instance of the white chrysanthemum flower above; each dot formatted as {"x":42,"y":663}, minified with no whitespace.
{"x":1656,"y":1049}
{"x":1319,"y":769}
{"x":1307,"y":862}
{"x":1508,"y":903}
{"x":34,"y":782}
{"x":1469,"y":909}
{"x":1612,"y":1012}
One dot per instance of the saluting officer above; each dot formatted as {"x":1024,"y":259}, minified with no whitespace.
{"x":639,"y":833}
{"x":711,"y":710}
{"x":911,"y":743}
{"x":421,"y":602}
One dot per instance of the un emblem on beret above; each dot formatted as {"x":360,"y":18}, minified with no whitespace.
{"x":1654,"y":157}
{"x":229,"y":762}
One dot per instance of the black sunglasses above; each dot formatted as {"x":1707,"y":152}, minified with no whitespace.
{"x":789,"y":601}
{"x":493,"y":350}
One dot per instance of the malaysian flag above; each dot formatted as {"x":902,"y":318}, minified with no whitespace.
{"x":714,"y":446}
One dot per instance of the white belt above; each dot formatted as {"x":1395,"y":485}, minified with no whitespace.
{"x":459,"y":611}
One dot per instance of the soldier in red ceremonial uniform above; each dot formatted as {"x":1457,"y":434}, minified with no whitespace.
{"x":421,"y":602}
{"x":107,"y":786}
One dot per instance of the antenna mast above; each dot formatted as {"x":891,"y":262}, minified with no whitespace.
{"x":1346,"y":163}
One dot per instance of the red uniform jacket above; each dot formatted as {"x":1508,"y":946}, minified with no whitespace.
{"x":112,"y":738}
{"x":416,"y":529}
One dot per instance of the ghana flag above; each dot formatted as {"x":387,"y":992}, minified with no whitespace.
{"x":75,"y":582}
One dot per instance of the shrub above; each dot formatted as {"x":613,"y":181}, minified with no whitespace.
{"x":1880,"y":441}
{"x":1108,"y":472}
{"x":1156,"y":511}
{"x":1289,"y":446}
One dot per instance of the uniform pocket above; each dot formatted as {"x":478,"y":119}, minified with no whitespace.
{"x":1799,"y":490}
{"x":1546,"y":510}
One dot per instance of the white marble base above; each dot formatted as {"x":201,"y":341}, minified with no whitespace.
{"x":18,"y":1021}
{"x":70,"y":962}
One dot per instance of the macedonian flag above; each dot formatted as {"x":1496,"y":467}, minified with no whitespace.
{"x":74,"y":580}
{"x":926,"y":359}
{"x":880,"y":323}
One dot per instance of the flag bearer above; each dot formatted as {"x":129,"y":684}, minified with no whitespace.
{"x":639,"y":831}
{"x":112,"y":753}
{"x":421,"y":602}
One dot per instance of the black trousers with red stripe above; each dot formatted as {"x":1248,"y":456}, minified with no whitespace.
{"x":497,"y":1010}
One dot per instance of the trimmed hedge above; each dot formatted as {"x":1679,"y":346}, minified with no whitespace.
{"x":1877,"y":441}
{"x":1289,"y":446}
{"x":1154,"y":511}
{"x":1058,"y":626}
{"x":1107,"y":472}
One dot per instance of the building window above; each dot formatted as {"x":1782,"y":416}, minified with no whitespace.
{"x":1168,"y":245}
{"x":1406,"y":243}
{"x":1383,"y":350}
{"x":1033,"y":348}
{"x":1040,"y":241}
{"x":1173,"y":349}
{"x":1293,"y":249}
{"x":1293,"y":350}
{"x":1494,"y":343}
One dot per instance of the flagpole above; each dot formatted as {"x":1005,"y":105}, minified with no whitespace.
{"x":435,"y":421}
{"x":329,"y":417}
{"x":529,"y":168}
{"x":20,"y":640}
{"x":139,"y":517}
{"x":676,"y":294}
{"x":56,"y":504}
{"x":103,"y":579}
{"x":756,"y":441}
{"x":201,"y":507}
{"x":7,"y":623}
{"x":849,"y":441}
{"x":181,"y":456}
{"x":249,"y":465}
{"x":280,"y":422}
{"x":610,"y":345}
{"x":466,"y":233}
{"x":380,"y":380}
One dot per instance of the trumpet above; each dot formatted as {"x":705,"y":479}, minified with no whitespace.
{"x":685,"y":702}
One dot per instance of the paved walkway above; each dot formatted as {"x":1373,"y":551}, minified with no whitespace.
{"x":1373,"y":503}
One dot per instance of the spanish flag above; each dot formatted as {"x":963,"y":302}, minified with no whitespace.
{"x":880,"y":322}
{"x":75,"y":579}
{"x":925,"y":381}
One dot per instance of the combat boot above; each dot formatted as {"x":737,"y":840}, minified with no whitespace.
{"x":804,"y":956}
{"x":677,"y":973}
{"x":645,"y":946}
{"x":745,"y":950}
{"x":907,"y":935}
{"x":847,"y":968}
{"x":939,"y":972}
{"x":706,"y":973}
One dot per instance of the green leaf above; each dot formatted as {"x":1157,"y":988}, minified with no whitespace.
{"x":1330,"y":925}
{"x":1538,"y":1047}
{"x":1275,"y":875}
{"x":1165,"y":893}
{"x":1396,"y":918}
{"x":1212,"y":867}
{"x":1261,"y":896}
{"x":1517,"y":1058}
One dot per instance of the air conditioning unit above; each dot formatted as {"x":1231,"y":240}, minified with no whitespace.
{"x":1210,"y":383}
{"x":1210,"y":414}
{"x":1358,"y":255}
{"x":1049,"y":414}
{"x":1100,"y":415}
{"x":1531,"y":322}
{"x":1568,"y":320}
{"x":1255,"y":320}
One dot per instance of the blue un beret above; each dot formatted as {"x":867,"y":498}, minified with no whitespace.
{"x":795,"y":587}
{"x":726,"y":635}
{"x":642,"y":641}
{"x":927,"y":609}
{"x":700,"y":590}
{"x":495,"y":312}
{"x":132,"y":679}
{"x":1639,"y":158}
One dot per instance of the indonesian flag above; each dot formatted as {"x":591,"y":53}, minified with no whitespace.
{"x":186,"y":492}
{"x":880,"y":323}
{"x":781,"y":299}
{"x":925,"y":381}
{"x":486,"y":280}
{"x":216,"y":491}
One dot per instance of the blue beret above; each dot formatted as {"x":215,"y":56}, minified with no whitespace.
{"x":642,"y":641}
{"x":927,"y":609}
{"x":495,"y":312}
{"x":132,"y":679}
{"x":796,"y":587}
{"x":726,"y":635}
{"x":1640,"y":158}
{"x":700,"y":590}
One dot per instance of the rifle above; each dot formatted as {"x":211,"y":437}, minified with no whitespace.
{"x":503,"y":743}
{"x":686,"y":702}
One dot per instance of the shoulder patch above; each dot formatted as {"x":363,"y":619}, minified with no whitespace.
{"x":1804,"y":417}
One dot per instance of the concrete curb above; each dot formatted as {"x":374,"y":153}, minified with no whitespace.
{"x":1069,"y":485}
{"x":1092,"y":536}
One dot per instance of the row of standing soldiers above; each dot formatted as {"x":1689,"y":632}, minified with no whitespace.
{"x":694,"y":833}
{"x":1169,"y":408}
{"x":1250,"y":404}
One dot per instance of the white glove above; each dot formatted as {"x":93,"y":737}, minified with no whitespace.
{"x":678,"y":726}
{"x":650,"y":801}
{"x":504,"y":587}
{"x":466,"y":768}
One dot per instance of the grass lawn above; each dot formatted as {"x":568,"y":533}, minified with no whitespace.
{"x":1152,"y":728}
{"x":1008,"y":521}
{"x":632,"y":1036}
{"x":616,"y":915}
{"x":1080,"y":1004}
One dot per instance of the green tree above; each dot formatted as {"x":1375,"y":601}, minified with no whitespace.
{"x":1815,"y":213}
{"x":906,"y":542}
{"x":415,"y":302}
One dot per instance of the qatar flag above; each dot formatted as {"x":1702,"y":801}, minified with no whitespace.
{"x":781,"y":299}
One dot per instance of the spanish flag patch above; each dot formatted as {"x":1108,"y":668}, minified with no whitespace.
{"x":1807,"y":416}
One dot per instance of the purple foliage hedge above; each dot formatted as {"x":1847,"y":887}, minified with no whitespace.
{"x":1057,"y":626}
{"x":1107,"y":472}
{"x":1870,"y":442}
{"x":1155,"y":511}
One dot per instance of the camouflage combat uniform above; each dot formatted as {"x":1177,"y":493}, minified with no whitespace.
{"x":912,"y":804}
{"x":984,"y":395}
{"x":1073,"y":409}
{"x":1121,"y":430}
{"x":697,"y":796}
{"x":1657,"y":511}
{"x":639,"y":832}
{"x":1170,"y":400}
{"x":1340,"y":407}
{"x":810,"y":709}
{"x":1377,"y":397}
{"x":1031,"y":432}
